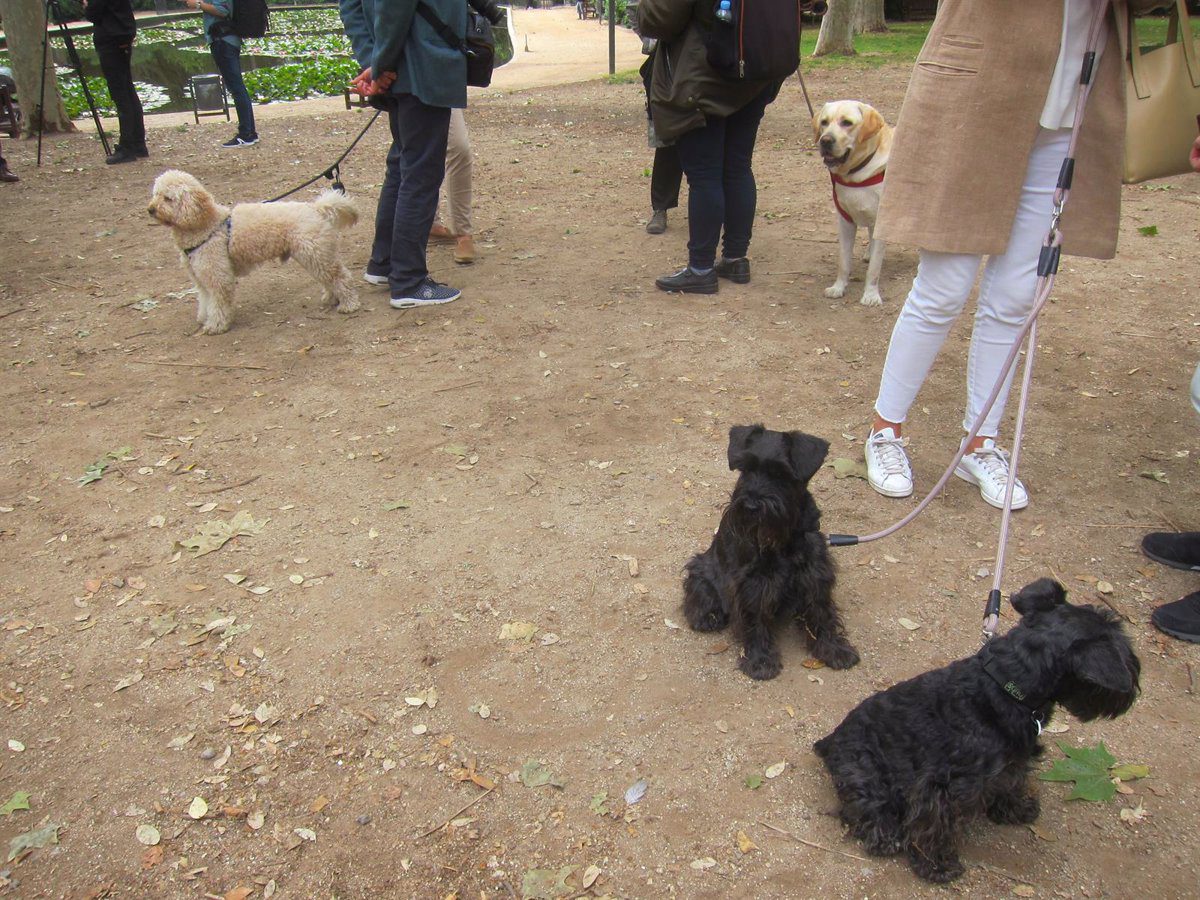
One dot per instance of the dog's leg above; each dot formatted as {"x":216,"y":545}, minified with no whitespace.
{"x":930,"y":829}
{"x":1010,"y":798}
{"x":219,"y":313}
{"x":846,"y":233}
{"x":702,"y":606}
{"x":871,"y":295}
{"x":320,"y":260}
{"x":344,"y":292}
{"x":754,"y":611}
{"x":820,"y":622}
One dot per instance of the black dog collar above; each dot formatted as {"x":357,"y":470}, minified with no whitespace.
{"x":1014,"y":691}
{"x":228,"y":226}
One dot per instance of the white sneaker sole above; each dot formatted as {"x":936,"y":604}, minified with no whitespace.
{"x":413,"y":303}
{"x":375,"y":279}
{"x":998,"y":504}
{"x":889,"y":493}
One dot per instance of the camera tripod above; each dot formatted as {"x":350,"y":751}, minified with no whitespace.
{"x":54,"y":14}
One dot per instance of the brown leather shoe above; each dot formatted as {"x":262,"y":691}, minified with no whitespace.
{"x":440,"y":233}
{"x":6,"y":175}
{"x":464,"y":250}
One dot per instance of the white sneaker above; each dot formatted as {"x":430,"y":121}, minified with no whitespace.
{"x":888,"y":471}
{"x":374,"y":279}
{"x":988,"y":468}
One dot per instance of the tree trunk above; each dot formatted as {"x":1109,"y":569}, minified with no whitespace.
{"x":868,"y":17}
{"x":836,"y":36}
{"x":25,"y":28}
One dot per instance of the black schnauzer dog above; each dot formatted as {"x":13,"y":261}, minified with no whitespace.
{"x":768,"y":562}
{"x":912,"y":764}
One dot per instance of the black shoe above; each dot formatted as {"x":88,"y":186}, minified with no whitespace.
{"x":121,"y":155}
{"x":237,"y":141}
{"x":736,"y":270}
{"x":6,"y":175}
{"x":1177,"y":550}
{"x":1180,"y":619}
{"x":141,"y":152}
{"x":657,"y":223}
{"x":688,"y":281}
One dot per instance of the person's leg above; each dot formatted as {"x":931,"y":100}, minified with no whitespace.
{"x":665,"y":179}
{"x":422,"y":133}
{"x":229,"y":64}
{"x":739,"y":188}
{"x":116,"y":67}
{"x":459,"y":164}
{"x":702,"y":157}
{"x":1006,"y":291}
{"x":939,"y":292}
{"x":385,"y":212}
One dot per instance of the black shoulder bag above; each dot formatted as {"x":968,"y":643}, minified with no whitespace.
{"x":479,"y":47}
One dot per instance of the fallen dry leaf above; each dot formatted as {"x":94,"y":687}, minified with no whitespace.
{"x":745,"y":845}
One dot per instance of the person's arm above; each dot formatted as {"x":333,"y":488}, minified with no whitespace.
{"x":354,"y":19}
{"x":393,"y":22}
{"x":664,"y":19}
{"x":94,"y":10}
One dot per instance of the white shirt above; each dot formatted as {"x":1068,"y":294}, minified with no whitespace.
{"x":1059,"y":111}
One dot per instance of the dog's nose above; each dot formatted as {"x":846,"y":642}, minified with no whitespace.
{"x":826,"y":142}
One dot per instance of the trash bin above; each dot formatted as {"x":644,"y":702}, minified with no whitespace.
{"x":208,"y":96}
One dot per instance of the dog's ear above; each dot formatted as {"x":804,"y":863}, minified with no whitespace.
{"x":816,"y":122}
{"x":741,"y":437}
{"x":872,"y":122}
{"x":806,"y":454}
{"x":1105,"y":673}
{"x":1040,"y":596}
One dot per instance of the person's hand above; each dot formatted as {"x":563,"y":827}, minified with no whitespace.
{"x":1194,"y":156}
{"x":361,"y":84}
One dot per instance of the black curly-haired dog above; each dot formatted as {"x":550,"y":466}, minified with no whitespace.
{"x":913,"y":763}
{"x":769,"y":563}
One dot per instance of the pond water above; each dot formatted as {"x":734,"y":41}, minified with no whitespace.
{"x":305,"y":54}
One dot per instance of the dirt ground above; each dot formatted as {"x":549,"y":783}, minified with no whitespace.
{"x":428,"y":478}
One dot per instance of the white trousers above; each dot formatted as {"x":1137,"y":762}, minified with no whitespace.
{"x":459,"y":162}
{"x":1006,"y":293}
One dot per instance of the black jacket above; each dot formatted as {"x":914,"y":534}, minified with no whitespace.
{"x":112,"y":19}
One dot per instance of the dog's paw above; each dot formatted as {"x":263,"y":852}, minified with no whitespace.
{"x":938,"y":871}
{"x":710,"y":620}
{"x":1008,"y":810}
{"x":219,"y":326}
{"x":348,"y":305}
{"x":761,"y":668}
{"x":871,"y":297}
{"x":837,"y":653}
{"x":836,"y":290}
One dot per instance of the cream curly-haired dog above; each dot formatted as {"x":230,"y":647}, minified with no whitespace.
{"x":220,"y":244}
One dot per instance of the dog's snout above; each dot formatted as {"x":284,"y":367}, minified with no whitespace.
{"x":826,"y":141}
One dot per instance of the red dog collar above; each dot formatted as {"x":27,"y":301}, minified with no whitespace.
{"x":877,"y":178}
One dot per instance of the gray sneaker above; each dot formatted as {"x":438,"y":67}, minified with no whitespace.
{"x":428,"y":293}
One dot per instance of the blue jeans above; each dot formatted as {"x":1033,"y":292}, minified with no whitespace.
{"x":229,"y":64}
{"x":721,"y":189}
{"x":416,"y":164}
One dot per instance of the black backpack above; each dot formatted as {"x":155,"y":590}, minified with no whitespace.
{"x":247,"y":20}
{"x":759,"y":40}
{"x":478,"y":46}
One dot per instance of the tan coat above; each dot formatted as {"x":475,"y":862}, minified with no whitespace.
{"x":968,"y":124}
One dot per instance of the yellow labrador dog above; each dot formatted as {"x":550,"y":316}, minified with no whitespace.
{"x":855,"y":142}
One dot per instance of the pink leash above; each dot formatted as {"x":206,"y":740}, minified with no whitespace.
{"x":1047,"y":269}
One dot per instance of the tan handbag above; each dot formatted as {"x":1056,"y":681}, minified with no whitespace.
{"x":1162,"y":98}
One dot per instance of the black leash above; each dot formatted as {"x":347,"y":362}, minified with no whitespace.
{"x":334,"y":172}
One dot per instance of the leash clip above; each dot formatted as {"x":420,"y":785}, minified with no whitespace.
{"x":1038,"y":724}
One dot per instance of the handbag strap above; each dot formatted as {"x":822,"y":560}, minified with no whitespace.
{"x":445,"y":32}
{"x":1179,"y":30}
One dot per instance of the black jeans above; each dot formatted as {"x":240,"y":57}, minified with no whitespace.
{"x":665,"y":179}
{"x":229,"y":64}
{"x":416,"y":164}
{"x":721,"y":189}
{"x":115,"y":64}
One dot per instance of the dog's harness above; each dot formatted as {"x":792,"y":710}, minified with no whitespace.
{"x":875,"y":179}
{"x":1014,"y":692}
{"x":227,"y":224}
{"x":1047,"y":268}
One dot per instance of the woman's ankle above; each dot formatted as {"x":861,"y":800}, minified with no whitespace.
{"x":882,"y":423}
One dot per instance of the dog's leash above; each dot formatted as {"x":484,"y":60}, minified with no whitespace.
{"x":1047,"y":269}
{"x":333,"y":172}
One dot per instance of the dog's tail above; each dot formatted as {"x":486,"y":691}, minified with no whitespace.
{"x":337,"y":207}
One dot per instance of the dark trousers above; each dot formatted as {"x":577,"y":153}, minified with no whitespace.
{"x":416,"y":164}
{"x":721,"y":189}
{"x":229,"y":64}
{"x":116,"y":66}
{"x":665,"y":179}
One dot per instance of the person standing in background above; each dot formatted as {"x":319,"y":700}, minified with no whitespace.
{"x":113,"y":33}
{"x":459,"y":168}
{"x":226,"y":48}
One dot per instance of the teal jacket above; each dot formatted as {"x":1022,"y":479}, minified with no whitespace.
{"x":226,"y":6}
{"x":390,"y":36}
